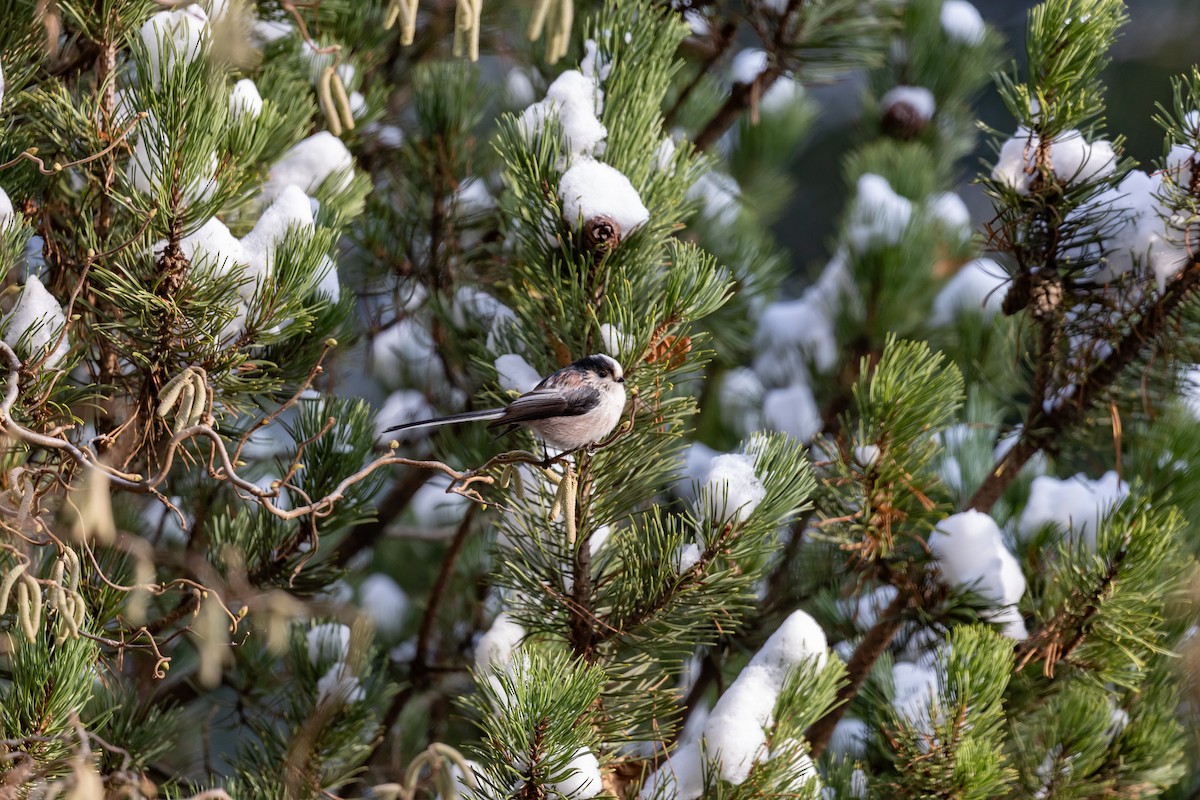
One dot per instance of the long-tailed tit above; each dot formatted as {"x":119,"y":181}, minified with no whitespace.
{"x":575,"y":407}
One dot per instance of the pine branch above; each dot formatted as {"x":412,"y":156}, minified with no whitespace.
{"x":724,"y":38}
{"x":419,"y":667}
{"x":1043,"y":429}
{"x":873,"y":645}
{"x":746,"y":95}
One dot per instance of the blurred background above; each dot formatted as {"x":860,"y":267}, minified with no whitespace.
{"x":1161,"y":40}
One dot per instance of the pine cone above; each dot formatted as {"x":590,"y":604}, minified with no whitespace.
{"x":903,"y":121}
{"x":1046,"y":295}
{"x":601,"y":235}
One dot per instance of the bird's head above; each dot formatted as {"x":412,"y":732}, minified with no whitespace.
{"x":602,"y":370}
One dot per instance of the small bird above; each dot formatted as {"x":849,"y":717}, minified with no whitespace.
{"x":575,"y":407}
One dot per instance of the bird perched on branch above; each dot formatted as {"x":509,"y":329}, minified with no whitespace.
{"x":575,"y":407}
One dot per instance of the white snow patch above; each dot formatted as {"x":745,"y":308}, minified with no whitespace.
{"x":583,"y":777}
{"x":329,"y":285}
{"x":245,"y":100}
{"x":977,"y":287}
{"x":792,"y":410}
{"x":290,"y":209}
{"x":916,"y":691}
{"x":1075,"y":503}
{"x":401,"y":407}
{"x":878,"y":216}
{"x":1134,"y":222}
{"x":804,"y":325}
{"x":687,"y":557}
{"x":518,"y":87}
{"x":849,"y":739}
{"x":514,"y":374}
{"x":495,"y":648}
{"x":971,"y":554}
{"x":577,"y":100}
{"x":173,"y":38}
{"x":384,"y":602}
{"x":41,"y":316}
{"x":1072,"y":159}
{"x":951,"y":213}
{"x":694,"y":467}
{"x":961,"y":22}
{"x":266,"y":31}
{"x":339,"y":685}
{"x":307,"y":164}
{"x":7,"y":212}
{"x":731,"y":489}
{"x":591,"y":188}
{"x":866,"y":455}
{"x":433,"y":507}
{"x":735,"y":733}
{"x":747,"y":65}
{"x":718,"y":195}
{"x":740,"y":396}
{"x":615,"y":342}
{"x":150,"y":166}
{"x":329,"y":641}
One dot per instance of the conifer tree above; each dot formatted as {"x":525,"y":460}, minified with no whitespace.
{"x":919,"y":528}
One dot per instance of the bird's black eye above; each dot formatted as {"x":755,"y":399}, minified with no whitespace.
{"x":603,"y":373}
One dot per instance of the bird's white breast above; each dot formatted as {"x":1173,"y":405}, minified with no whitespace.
{"x":572,"y":433}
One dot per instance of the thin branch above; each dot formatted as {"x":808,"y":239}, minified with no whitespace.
{"x":874,"y":643}
{"x":1043,"y":428}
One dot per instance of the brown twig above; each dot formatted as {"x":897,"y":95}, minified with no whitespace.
{"x":874,"y":643}
{"x":31,"y":153}
{"x":1043,"y":428}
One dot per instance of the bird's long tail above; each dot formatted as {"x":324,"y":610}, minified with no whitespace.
{"x":453,"y":419}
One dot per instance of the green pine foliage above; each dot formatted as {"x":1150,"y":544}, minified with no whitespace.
{"x":924,"y":530}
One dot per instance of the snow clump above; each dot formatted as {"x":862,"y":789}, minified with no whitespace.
{"x":799,"y":328}
{"x":307,"y":164}
{"x":7,"y":212}
{"x":792,"y":410}
{"x":1134,"y":222}
{"x":591,"y":188}
{"x":615,"y":341}
{"x":329,"y":641}
{"x":576,"y":100}
{"x":976,"y":287}
{"x":402,"y":407}
{"x":514,"y":374}
{"x":1075,"y":503}
{"x":961,"y":22}
{"x":384,"y":602}
{"x":150,"y":165}
{"x":731,"y":489}
{"x":718,"y":195}
{"x":583,"y":777}
{"x":173,"y":38}
{"x":735,"y":732}
{"x":244,"y":100}
{"x":339,"y":685}
{"x":971,"y":554}
{"x":1072,"y":159}
{"x":878,"y":216}
{"x":740,"y":397}
{"x":40,"y":316}
{"x":916,"y":688}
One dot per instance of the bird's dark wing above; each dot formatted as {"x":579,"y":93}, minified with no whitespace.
{"x":543,"y":403}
